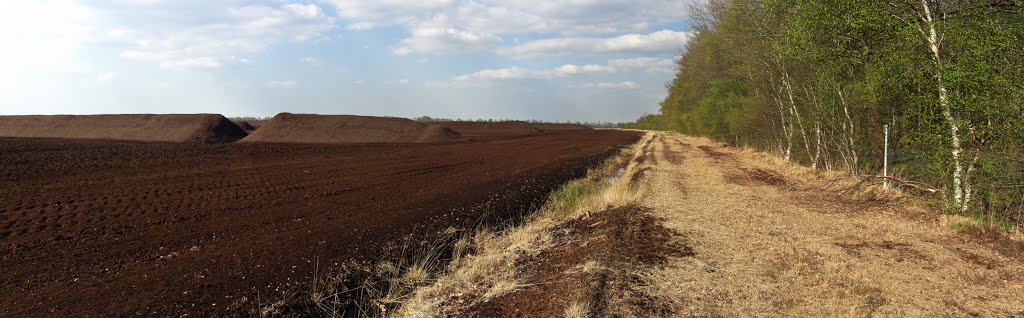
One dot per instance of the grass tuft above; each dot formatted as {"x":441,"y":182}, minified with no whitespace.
{"x":567,"y":198}
{"x":577,"y":309}
{"x":962,"y":226}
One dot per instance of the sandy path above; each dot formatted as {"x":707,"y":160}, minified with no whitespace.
{"x":773,"y":239}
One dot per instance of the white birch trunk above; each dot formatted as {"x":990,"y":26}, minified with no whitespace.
{"x":885,"y":159}
{"x":960,"y":201}
{"x":817,"y":128}
{"x":968,"y":189}
{"x":851,"y":145}
{"x":817,"y":148}
{"x":796,"y":114}
{"x":786,"y":131}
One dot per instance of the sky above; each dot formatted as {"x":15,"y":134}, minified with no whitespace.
{"x":556,"y":60}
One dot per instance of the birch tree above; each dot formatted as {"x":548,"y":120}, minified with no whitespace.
{"x":934,"y":21}
{"x":815,"y":80}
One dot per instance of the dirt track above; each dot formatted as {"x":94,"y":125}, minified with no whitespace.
{"x":91,"y":228}
{"x":771,"y":238}
{"x":721,"y":231}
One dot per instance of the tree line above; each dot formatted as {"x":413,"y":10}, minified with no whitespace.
{"x":818,"y":81}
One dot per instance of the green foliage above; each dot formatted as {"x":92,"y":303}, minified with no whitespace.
{"x":569,"y":195}
{"x":962,"y":227}
{"x":818,"y":79}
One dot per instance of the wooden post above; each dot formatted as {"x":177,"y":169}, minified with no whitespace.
{"x":885,"y":162}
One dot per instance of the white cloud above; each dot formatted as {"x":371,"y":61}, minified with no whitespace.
{"x":571,"y":69}
{"x":513,"y":73}
{"x":360,"y":26}
{"x":445,"y":40}
{"x":311,"y":61}
{"x":660,"y":42}
{"x":309,"y":11}
{"x":122,"y":33}
{"x":359,"y":82}
{"x":605,"y":85}
{"x":567,"y":17}
{"x":403,"y":81}
{"x":105,"y":77}
{"x":651,"y":65}
{"x":89,"y":73}
{"x":450,"y":84}
{"x":42,"y":34}
{"x":172,"y":60}
{"x":192,"y":62}
{"x":369,"y":14}
{"x":211,"y":42}
{"x":459,"y":26}
{"x":282,"y":84}
{"x":80,"y":68}
{"x":576,"y":17}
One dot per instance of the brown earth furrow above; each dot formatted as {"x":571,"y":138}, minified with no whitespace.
{"x":96,"y":228}
{"x":487,"y":130}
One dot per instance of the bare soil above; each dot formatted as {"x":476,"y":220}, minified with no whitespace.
{"x":245,"y":125}
{"x":488,"y":130}
{"x":207,"y":128}
{"x":104,"y":228}
{"x":306,"y":128}
{"x":560,"y":127}
{"x":594,"y":262}
{"x":256,"y":124}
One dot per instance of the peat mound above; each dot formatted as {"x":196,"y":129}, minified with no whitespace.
{"x":435,"y":133}
{"x":492,"y":129}
{"x":256,"y":124}
{"x":561,"y":127}
{"x":208,"y":128}
{"x":245,"y":125}
{"x":308,"y":128}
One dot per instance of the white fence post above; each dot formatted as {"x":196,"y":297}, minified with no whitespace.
{"x":885,"y":162}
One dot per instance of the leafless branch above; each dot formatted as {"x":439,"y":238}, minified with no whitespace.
{"x":911,"y":184}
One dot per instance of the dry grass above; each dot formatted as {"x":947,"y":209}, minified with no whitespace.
{"x":272,"y":310}
{"x":773,"y":238}
{"x":492,"y":271}
{"x":577,"y":309}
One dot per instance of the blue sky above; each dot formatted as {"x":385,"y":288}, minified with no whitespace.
{"x":585,"y":60}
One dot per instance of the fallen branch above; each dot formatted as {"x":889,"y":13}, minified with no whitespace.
{"x":1010,"y":186}
{"x":911,"y":184}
